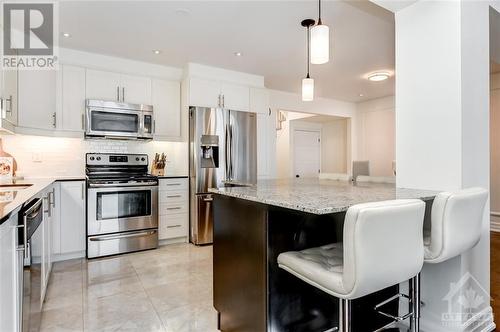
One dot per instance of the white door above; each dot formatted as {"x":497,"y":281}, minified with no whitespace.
{"x":203,"y":93}
{"x":306,"y":153}
{"x":37,"y":99}
{"x":135,"y":89}
{"x":72,"y":216}
{"x":167,"y":109}
{"x":73,"y":98}
{"x":102,"y":85}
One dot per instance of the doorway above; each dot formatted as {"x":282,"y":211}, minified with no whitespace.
{"x":306,"y":153}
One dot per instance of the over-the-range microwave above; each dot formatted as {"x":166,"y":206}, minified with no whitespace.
{"x":110,"y":119}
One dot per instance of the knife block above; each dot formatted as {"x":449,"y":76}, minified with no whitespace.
{"x":157,"y":171}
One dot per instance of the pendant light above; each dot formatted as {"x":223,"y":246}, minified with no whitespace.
{"x":308,"y":82}
{"x":320,"y":41}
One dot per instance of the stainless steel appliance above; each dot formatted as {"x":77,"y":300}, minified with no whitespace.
{"x":122,"y":204}
{"x":110,"y":119}
{"x":223,"y":151}
{"x":31,"y":238}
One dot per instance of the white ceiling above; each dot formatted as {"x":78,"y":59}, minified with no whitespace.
{"x":267,"y":33}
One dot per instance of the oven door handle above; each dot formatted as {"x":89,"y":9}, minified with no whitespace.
{"x":114,"y":185}
{"x":122,"y":236}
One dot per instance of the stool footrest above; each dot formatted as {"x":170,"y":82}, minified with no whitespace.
{"x":394,"y":318}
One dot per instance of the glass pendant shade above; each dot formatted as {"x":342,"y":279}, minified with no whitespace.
{"x":307,"y":89}
{"x":320,"y":44}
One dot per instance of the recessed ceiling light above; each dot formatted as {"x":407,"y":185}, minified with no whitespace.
{"x":67,"y":35}
{"x":156,"y":51}
{"x":238,"y":54}
{"x":379,"y":76}
{"x":361,"y":95}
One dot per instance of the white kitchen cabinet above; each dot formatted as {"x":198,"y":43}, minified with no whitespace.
{"x":204,"y":93}
{"x":235,"y":97}
{"x":259,"y":100}
{"x":47,"y":225}
{"x":213,"y":93}
{"x":173,"y":206}
{"x":102,"y":85}
{"x":118,"y":87}
{"x":37,"y":99}
{"x":135,"y":89}
{"x":9,"y":278}
{"x":166,"y":96}
{"x":73,"y":98}
{"x":72,"y":217}
{"x":10,"y":98}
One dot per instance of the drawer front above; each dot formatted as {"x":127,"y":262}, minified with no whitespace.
{"x":173,"y":208}
{"x":173,"y":226}
{"x":174,"y":184}
{"x":173,"y":196}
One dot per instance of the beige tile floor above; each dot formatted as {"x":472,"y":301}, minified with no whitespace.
{"x":167,"y":290}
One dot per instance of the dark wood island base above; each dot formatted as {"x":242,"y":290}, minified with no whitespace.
{"x":251,"y":293}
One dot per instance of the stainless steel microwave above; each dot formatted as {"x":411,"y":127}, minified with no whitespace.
{"x":110,"y":119}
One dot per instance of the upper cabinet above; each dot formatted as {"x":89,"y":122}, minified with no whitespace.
{"x":72,"y":93}
{"x":266,"y":133}
{"x":118,"y":87}
{"x":212,"y":93}
{"x":37,"y":99}
{"x":8,"y":99}
{"x":166,"y":97}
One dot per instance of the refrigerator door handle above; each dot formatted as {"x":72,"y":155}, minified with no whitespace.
{"x":226,"y":153}
{"x":231,"y":152}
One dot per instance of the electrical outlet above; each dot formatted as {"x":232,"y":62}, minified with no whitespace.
{"x":36,"y":157}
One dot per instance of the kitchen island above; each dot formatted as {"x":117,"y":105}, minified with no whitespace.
{"x":253,"y":225}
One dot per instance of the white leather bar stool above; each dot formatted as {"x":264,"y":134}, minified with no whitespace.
{"x":382,"y":246}
{"x":456,"y":219}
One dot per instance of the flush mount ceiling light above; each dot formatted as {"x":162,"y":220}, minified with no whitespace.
{"x":156,"y":51}
{"x":320,"y":41}
{"x":379,"y":76}
{"x":237,"y":54}
{"x":308,"y":82}
{"x":67,"y":35}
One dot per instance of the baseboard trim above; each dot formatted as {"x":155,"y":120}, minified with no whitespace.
{"x":68,"y":256}
{"x":182,"y":239}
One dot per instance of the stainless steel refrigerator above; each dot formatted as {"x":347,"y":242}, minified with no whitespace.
{"x":223,"y":151}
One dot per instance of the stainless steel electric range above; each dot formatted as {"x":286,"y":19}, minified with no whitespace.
{"x":122,"y":204}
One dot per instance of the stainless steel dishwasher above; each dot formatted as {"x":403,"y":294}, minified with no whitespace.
{"x":31,"y":217}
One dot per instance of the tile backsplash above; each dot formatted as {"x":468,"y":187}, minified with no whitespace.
{"x":39,"y":156}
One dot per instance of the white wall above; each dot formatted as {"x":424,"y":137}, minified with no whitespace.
{"x":66,"y":156}
{"x":442,"y":134}
{"x":495,"y":149}
{"x":376,"y":130}
{"x":334,"y":147}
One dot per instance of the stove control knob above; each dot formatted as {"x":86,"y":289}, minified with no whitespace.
{"x":136,"y":158}
{"x":143,"y":159}
{"x":98,"y":158}
{"x":92,"y":158}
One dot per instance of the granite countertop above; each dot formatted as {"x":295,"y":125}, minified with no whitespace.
{"x":320,"y":196}
{"x":13,"y":199}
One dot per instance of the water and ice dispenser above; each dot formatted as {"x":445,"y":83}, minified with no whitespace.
{"x":209,"y":151}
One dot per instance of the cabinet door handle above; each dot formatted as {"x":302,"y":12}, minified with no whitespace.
{"x":123,"y":94}
{"x":173,"y":184}
{"x":223,"y":102}
{"x":154,"y":126}
{"x":174,"y":196}
{"x":83,"y":121}
{"x":173,"y":226}
{"x":118,"y":93}
{"x":54,"y":119}
{"x":83,"y":191}
{"x":174,"y":208}
{"x":8,"y":109}
{"x":218,"y":101}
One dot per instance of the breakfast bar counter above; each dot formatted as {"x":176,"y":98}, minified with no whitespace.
{"x":253,"y":225}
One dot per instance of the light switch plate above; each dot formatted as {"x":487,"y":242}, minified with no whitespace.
{"x":36,"y":157}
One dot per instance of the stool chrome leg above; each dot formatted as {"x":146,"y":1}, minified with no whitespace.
{"x":411,"y":304}
{"x":345,"y":315}
{"x":415,"y":300}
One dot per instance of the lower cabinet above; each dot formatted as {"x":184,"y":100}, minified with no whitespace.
{"x":173,"y":209}
{"x":70,"y":220}
{"x":10,"y":277}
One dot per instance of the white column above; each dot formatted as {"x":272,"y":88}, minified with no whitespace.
{"x":442,"y":125}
